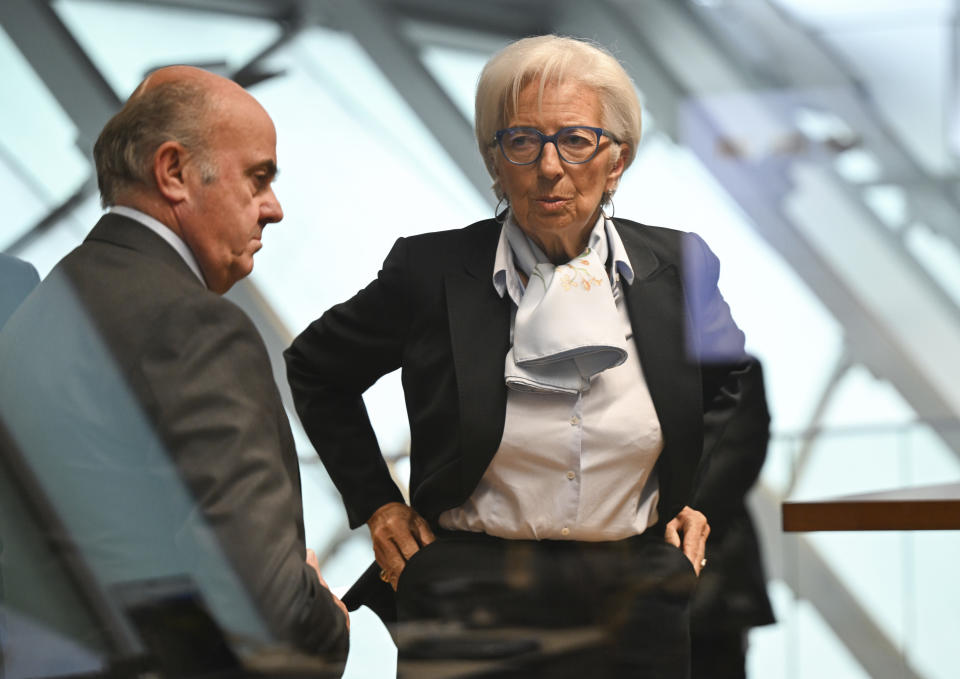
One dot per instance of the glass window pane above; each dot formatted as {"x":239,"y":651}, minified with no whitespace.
{"x":40,"y":165}
{"x":126,"y":40}
{"x":457,"y":71}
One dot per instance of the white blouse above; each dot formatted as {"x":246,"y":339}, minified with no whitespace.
{"x":571,"y":466}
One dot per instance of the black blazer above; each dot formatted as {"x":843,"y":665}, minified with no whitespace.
{"x":434,"y":313}
{"x":732,"y":593}
{"x":121,"y":359}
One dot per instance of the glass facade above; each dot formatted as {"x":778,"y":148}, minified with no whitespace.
{"x":832,"y":204}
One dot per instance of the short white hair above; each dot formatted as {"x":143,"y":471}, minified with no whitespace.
{"x":553,"y":58}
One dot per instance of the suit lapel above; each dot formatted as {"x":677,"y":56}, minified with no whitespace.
{"x":479,"y":336}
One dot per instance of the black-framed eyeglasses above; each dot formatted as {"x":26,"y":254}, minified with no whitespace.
{"x":575,"y":145}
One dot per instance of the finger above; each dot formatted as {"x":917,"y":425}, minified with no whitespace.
{"x":693,"y":540}
{"x":693,"y":552}
{"x":406,"y":541}
{"x":388,"y":556}
{"x":671,"y":535}
{"x":315,"y":565}
{"x":312,"y":559}
{"x":424,"y":535}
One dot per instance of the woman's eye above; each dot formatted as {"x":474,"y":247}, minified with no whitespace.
{"x":575,"y":140}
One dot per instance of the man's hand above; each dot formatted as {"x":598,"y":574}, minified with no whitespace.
{"x":693,"y":526}
{"x":398,"y":533}
{"x":313,"y":563}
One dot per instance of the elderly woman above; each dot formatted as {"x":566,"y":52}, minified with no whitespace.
{"x":554,"y":372}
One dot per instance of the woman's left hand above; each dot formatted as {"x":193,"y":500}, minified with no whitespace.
{"x":693,"y":527}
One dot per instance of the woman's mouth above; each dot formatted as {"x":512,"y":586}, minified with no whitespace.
{"x":551,"y":203}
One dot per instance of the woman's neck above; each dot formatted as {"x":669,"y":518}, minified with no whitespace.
{"x":562,"y":246}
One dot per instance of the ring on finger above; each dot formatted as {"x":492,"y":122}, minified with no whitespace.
{"x":384,"y":576}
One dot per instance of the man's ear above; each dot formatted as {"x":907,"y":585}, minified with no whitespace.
{"x":168,"y":171}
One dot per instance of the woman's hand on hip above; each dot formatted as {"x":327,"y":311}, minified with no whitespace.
{"x":692,"y":526}
{"x":398,"y":533}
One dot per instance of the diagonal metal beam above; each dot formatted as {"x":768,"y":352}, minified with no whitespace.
{"x":376,"y":30}
{"x":60,"y":61}
{"x":53,"y":217}
{"x":254,"y":9}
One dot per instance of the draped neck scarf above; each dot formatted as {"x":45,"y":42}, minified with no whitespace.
{"x":567,"y":329}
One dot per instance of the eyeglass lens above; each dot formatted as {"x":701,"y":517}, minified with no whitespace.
{"x":523,"y":145}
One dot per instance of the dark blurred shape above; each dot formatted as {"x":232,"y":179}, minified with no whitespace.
{"x":176,"y":627}
{"x":732,"y":594}
{"x":471,"y":597}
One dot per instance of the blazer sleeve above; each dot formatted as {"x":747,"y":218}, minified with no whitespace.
{"x":735,"y":450}
{"x":716,"y":344}
{"x":219,"y":413}
{"x":329,"y":366}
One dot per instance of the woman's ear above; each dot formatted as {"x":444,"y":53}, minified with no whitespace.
{"x":616,"y":169}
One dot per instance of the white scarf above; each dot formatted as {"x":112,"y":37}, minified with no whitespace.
{"x":567,"y":329}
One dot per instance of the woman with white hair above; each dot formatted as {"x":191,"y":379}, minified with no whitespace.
{"x":559,"y":366}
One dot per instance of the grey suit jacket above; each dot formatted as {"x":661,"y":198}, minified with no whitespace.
{"x":145,"y":406}
{"x":433,"y":312}
{"x":17,"y":279}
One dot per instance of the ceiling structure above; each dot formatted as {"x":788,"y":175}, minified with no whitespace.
{"x":769,"y":96}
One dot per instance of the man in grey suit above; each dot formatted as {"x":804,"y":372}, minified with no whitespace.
{"x":17,"y":279}
{"x":143,"y":403}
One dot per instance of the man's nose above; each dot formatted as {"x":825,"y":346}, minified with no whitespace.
{"x":270,"y":210}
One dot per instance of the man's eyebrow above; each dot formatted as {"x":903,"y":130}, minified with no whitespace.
{"x":267,"y":166}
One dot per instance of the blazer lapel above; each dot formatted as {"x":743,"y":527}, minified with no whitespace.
{"x":479,"y":337}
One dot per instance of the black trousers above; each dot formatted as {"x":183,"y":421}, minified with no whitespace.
{"x":522,"y":608}
{"x":719,"y":655}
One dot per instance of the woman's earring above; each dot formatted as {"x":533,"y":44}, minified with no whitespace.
{"x":498,"y":215}
{"x":607,"y":200}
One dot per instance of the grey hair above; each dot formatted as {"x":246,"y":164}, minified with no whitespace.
{"x":123,"y":153}
{"x":552,"y":58}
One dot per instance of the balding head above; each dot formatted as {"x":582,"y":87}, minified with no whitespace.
{"x":196,"y":152}
{"x":216,"y":86}
{"x":176,"y":103}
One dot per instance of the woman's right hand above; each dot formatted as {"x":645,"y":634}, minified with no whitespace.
{"x":398,"y":533}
